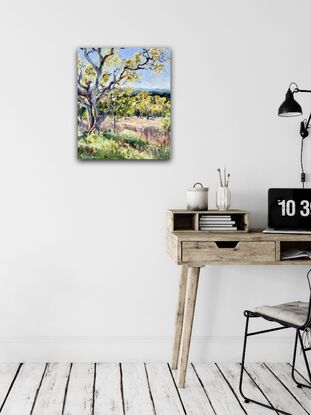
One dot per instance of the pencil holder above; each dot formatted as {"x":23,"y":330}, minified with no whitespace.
{"x":223,"y":198}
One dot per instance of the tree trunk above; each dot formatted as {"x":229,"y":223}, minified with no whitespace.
{"x":93,"y":104}
{"x":91,"y":120}
{"x":99,"y":120}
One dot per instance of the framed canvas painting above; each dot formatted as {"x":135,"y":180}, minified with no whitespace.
{"x":124,"y":103}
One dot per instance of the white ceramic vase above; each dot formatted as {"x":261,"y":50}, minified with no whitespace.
{"x":223,"y":198}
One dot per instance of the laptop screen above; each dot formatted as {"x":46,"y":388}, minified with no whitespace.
{"x":289,"y":209}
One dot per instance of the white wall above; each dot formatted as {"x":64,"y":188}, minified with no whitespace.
{"x":83,"y":266}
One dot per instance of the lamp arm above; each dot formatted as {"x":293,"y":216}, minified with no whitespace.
{"x":301,"y":90}
{"x":306,"y":123}
{"x":304,"y":126}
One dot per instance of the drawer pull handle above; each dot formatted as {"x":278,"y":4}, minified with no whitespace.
{"x":226,"y":244}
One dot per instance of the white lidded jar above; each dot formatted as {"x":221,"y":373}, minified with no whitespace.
{"x":197,"y":197}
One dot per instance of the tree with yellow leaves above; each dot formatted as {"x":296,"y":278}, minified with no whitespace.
{"x":102,"y":70}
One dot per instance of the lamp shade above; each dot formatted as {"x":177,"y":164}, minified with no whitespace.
{"x":290,"y":107}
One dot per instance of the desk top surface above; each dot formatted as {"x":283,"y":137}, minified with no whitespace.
{"x":252,"y":235}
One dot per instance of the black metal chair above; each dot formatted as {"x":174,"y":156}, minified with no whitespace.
{"x":295,"y":315}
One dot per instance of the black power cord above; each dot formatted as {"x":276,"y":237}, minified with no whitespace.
{"x":309,"y":279}
{"x":303,"y":174}
{"x":304,"y":126}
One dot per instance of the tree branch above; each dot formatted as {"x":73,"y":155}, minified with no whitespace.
{"x":102,"y":60}
{"x":105,"y":57}
{"x":122,"y":75}
{"x":86,"y":54}
{"x":83,"y":102}
{"x":82,"y":90}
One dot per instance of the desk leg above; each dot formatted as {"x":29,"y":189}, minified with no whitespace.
{"x":191,"y":295}
{"x":179,"y":315}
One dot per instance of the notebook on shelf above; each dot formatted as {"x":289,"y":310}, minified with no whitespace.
{"x":293,"y":253}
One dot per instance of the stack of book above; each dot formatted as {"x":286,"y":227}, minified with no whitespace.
{"x":217,"y":223}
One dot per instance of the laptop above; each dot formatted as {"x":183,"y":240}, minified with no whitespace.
{"x":289,"y":211}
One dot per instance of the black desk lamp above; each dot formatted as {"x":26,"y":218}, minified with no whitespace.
{"x":291,"y":108}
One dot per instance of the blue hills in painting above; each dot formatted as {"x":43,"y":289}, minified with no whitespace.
{"x":162,"y":92}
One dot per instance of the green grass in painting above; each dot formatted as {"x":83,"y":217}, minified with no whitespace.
{"x":124,"y":146}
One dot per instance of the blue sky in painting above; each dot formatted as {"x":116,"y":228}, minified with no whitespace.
{"x":149,"y":80}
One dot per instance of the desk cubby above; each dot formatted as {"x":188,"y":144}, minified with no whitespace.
{"x":301,"y":245}
{"x":184,"y":222}
{"x":188,"y":220}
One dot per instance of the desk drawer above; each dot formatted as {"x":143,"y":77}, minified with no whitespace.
{"x":225,"y":251}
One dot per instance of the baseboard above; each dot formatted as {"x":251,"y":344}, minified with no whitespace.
{"x":139,"y":348}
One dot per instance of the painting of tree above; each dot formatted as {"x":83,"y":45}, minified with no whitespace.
{"x":124,"y":103}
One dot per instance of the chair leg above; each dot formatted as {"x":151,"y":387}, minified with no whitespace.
{"x":294,"y":359}
{"x":246,"y":399}
{"x":299,"y":384}
{"x":243,"y":359}
{"x":305,"y":359}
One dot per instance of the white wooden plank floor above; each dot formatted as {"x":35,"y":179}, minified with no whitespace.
{"x":146,"y":389}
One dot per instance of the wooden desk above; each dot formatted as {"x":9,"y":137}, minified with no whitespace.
{"x":195,"y":249}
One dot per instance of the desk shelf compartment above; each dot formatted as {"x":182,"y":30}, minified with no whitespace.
{"x":297,"y":245}
{"x":186,"y":220}
{"x":183,"y":221}
{"x":239,"y":219}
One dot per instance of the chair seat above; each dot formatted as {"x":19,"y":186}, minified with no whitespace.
{"x":295,"y":312}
